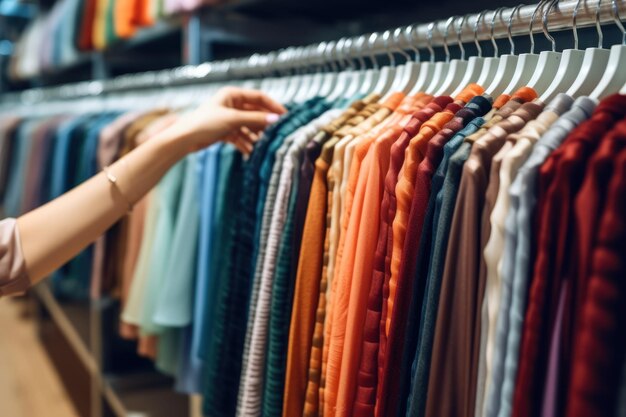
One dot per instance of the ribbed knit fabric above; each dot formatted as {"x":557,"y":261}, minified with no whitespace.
{"x":224,"y":355}
{"x":251,"y":385}
{"x":329,"y":136}
{"x":391,"y":355}
{"x":560,"y":178}
{"x":306,"y":287}
{"x":351,"y":217}
{"x":600,"y":339}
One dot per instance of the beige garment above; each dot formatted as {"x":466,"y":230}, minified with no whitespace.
{"x":513,"y":154}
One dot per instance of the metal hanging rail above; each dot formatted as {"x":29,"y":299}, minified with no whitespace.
{"x":487,"y":25}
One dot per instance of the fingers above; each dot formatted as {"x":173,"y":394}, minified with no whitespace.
{"x":254,"y":99}
{"x":253,"y":120}
{"x":244,"y":140}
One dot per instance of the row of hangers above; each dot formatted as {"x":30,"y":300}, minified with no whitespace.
{"x":595,"y":72}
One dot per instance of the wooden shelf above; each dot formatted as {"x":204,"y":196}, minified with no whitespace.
{"x":146,"y":392}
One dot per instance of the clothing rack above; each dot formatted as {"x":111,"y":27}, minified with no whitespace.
{"x":486,"y":25}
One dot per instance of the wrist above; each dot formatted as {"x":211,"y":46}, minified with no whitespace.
{"x":173,"y":143}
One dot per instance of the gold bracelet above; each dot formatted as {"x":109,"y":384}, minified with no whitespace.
{"x":113,"y":180}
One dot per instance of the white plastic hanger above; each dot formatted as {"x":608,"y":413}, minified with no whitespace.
{"x":427,"y":69}
{"x":526,"y":63}
{"x":593,"y":65}
{"x":441,"y":68}
{"x":317,"y":79}
{"x":406,"y":74}
{"x":549,"y":61}
{"x":293,"y":81}
{"x":314,"y":76}
{"x":491,"y":64}
{"x":388,"y":72}
{"x":355,"y":76}
{"x":284,"y":80}
{"x":344,"y":77}
{"x":329,"y":79}
{"x":506,"y":65}
{"x":614,"y":76}
{"x":571,"y":62}
{"x":267,"y":82}
{"x":412,"y":69}
{"x":458,"y":67}
{"x":371,"y":74}
{"x":304,"y":60}
{"x":475,"y":64}
{"x":359,"y":74}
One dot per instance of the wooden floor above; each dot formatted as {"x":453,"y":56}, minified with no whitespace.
{"x":29,"y":384}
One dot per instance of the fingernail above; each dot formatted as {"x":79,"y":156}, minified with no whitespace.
{"x":272,"y":118}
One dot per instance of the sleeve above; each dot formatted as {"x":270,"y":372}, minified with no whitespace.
{"x":13,"y":276}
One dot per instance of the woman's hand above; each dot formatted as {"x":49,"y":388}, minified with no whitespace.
{"x":232,"y":115}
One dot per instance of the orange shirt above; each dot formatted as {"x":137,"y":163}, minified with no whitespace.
{"x":346,"y":133}
{"x":296,"y":362}
{"x":370,"y":129}
{"x":309,"y":268}
{"x":404,"y":189}
{"x":370,"y":185}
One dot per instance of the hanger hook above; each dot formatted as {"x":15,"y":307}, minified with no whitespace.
{"x":599,"y":26}
{"x":357,"y":58}
{"x":510,"y":24}
{"x":386,"y":37}
{"x":300,"y":61}
{"x":478,"y":47}
{"x":335,"y":58}
{"x":397,"y":34}
{"x":459,"y":32}
{"x":431,"y":51}
{"x":371,"y":42}
{"x":316,"y":61}
{"x":360,"y":45}
{"x":530,"y":27}
{"x":493,"y":23}
{"x":348,"y":53}
{"x":335,"y":54}
{"x":574,"y":27}
{"x":618,"y":21}
{"x":321,"y":50}
{"x":445,"y":37}
{"x":544,"y":24}
{"x":371,"y":55}
{"x":347,"y":64}
{"x":330,"y":47}
{"x":347,"y":47}
{"x":408,"y":35}
{"x":306,"y":58}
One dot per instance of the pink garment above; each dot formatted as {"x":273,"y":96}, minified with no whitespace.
{"x":109,"y":145}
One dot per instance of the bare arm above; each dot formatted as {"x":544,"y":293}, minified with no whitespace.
{"x":54,"y":233}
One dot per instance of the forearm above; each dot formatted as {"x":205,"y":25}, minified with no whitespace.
{"x":54,"y":233}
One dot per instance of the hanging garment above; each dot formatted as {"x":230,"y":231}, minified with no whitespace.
{"x":554,"y":211}
{"x":513,"y":157}
{"x":443,"y":195}
{"x":523,"y":200}
{"x":389,"y":359}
